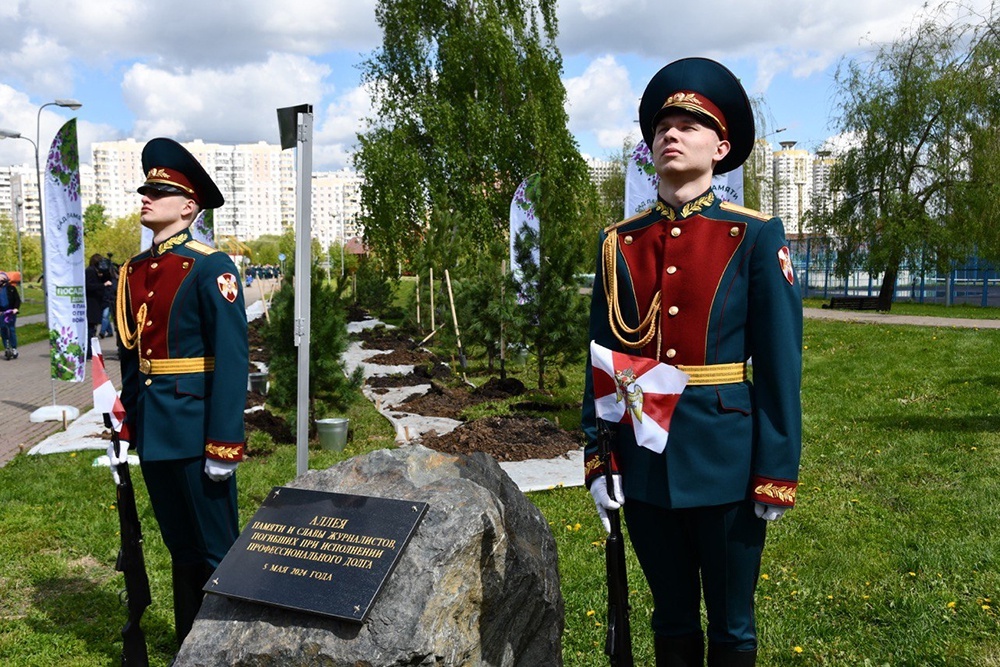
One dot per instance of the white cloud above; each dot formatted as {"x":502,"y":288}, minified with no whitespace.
{"x":342,"y":121}
{"x":235,"y":104}
{"x":601,"y":102}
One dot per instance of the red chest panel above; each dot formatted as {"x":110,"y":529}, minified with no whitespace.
{"x":686,"y":261}
{"x":155,"y":281}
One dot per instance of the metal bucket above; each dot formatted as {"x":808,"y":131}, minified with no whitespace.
{"x":333,"y":433}
{"x":257,"y":382}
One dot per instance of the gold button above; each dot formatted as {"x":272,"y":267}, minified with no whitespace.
{"x":671,"y":353}
{"x":734,"y":231}
{"x":673,"y":310}
{"x":149,"y":296}
{"x":628,"y":240}
{"x":149,"y":352}
{"x":153,"y":265}
{"x":148,"y":382}
{"x":671,"y":270}
{"x":185,"y":265}
{"x":149,"y":323}
{"x":130,"y":269}
{"x":675,"y":232}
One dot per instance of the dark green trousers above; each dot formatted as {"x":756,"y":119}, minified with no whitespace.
{"x":198,"y":518}
{"x":710,"y":550}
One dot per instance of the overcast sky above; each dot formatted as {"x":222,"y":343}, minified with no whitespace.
{"x":217,"y":70}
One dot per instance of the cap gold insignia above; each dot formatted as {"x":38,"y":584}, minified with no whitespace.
{"x":156,"y":172}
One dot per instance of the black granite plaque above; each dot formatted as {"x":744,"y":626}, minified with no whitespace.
{"x":323,"y":553}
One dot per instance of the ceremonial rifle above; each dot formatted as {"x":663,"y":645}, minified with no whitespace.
{"x":618,"y":642}
{"x":131,"y":562}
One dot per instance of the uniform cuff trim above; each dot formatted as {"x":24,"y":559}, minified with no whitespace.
{"x":777,"y":492}
{"x":225,"y":451}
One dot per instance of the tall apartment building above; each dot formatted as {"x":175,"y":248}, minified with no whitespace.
{"x":823,"y":198}
{"x":336,"y":207}
{"x":19,"y":195}
{"x":256,"y":180}
{"x":600,"y":170}
{"x":760,"y":167}
{"x":793,"y":187}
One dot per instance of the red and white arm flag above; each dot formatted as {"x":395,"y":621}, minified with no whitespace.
{"x":105,"y":397}
{"x":638,"y":391}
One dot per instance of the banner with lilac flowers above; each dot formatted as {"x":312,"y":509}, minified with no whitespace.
{"x":524,"y":232}
{"x":641,"y":182}
{"x":64,"y":281}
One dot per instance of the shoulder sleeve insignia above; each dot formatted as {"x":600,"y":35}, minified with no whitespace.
{"x":228,"y":286}
{"x":736,"y":208}
{"x":200,"y":247}
{"x":635,"y":217}
{"x":785,"y":262}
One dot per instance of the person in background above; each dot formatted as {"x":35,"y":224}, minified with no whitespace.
{"x":10,"y":303}
{"x":109,"y":274}
{"x":182,"y":331}
{"x":94,"y":286}
{"x":703,"y":285}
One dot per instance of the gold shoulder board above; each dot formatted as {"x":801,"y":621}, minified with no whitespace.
{"x":736,"y":208}
{"x":635,"y":217}
{"x":198,"y":246}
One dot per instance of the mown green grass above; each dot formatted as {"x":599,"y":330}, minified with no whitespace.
{"x":890,"y":557}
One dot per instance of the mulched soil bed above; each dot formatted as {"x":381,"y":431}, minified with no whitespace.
{"x":399,"y":357}
{"x":506,"y":439}
{"x":262,"y":420}
{"x":255,"y":335}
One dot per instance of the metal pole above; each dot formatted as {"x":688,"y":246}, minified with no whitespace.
{"x":41,"y":218}
{"x":303,"y":285}
{"x":19,"y":205}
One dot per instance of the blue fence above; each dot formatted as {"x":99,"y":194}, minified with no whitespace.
{"x":971,"y":282}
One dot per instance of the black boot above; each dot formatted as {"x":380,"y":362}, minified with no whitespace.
{"x":687,"y":651}
{"x":720,"y":655}
{"x":188,"y":581}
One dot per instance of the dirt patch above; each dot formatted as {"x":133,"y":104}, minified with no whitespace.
{"x":402,"y":356}
{"x":255,"y":336}
{"x":506,"y":439}
{"x":380,"y":338}
{"x":272,"y":424}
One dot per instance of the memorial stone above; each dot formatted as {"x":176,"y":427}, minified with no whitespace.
{"x":478,"y":583}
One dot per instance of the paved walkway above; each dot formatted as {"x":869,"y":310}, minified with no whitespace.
{"x":26,"y":385}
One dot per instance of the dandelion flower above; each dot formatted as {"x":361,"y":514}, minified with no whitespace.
{"x":951,"y":605}
{"x":590,"y":612}
{"x":797,"y":649}
{"x":765,"y":576}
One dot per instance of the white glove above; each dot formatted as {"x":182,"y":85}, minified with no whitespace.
{"x":219,"y":471}
{"x":768,"y":512}
{"x":115,"y":460}
{"x":603,"y":501}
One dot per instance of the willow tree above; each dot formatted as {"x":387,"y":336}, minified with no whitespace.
{"x":921,"y":117}
{"x":468,"y":101}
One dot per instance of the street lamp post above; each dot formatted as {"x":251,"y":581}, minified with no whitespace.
{"x":9,"y":134}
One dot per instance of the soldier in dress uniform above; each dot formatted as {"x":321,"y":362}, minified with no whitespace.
{"x":703,"y":285}
{"x":182,"y":328}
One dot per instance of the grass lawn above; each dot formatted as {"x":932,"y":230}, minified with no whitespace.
{"x":890,"y":557}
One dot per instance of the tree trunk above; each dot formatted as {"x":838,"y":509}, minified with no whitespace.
{"x":888,"y":289}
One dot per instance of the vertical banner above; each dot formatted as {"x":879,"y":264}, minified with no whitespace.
{"x":524,"y":222}
{"x":64,"y":281}
{"x":641,"y":182}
